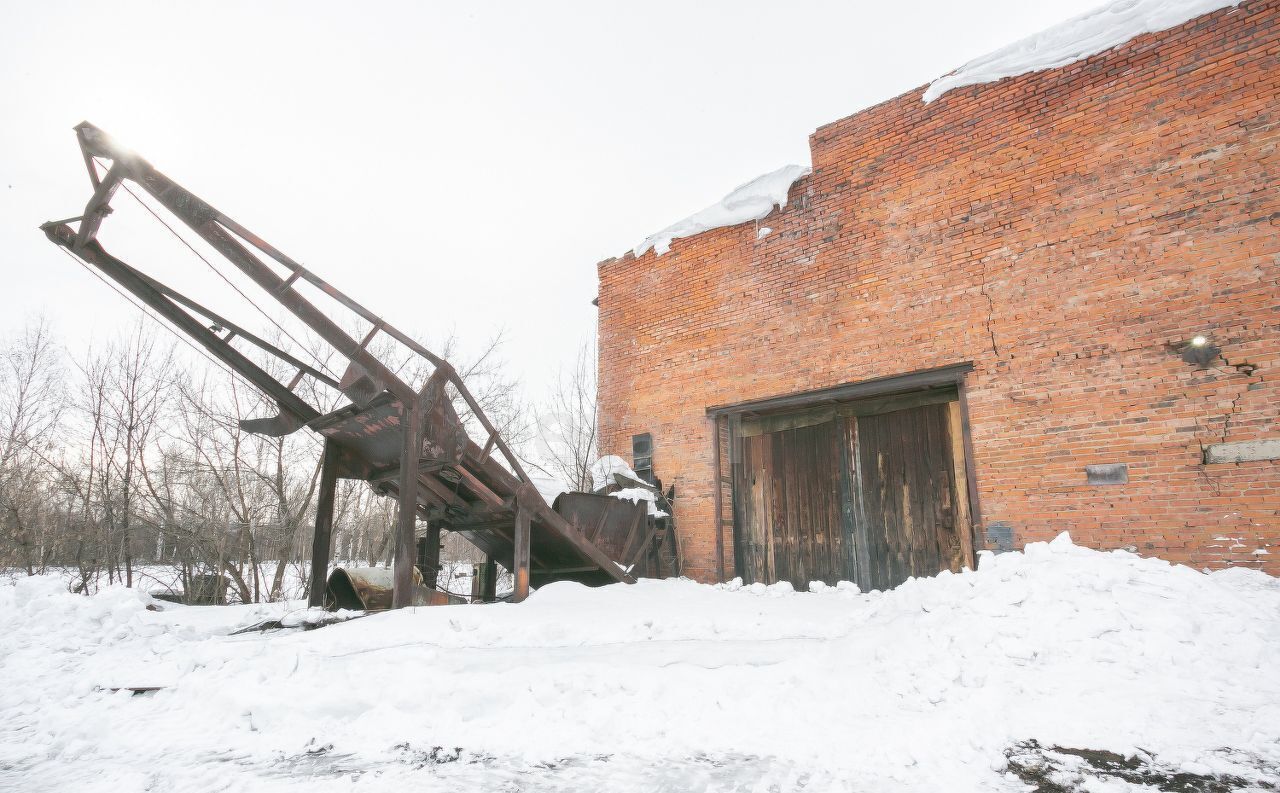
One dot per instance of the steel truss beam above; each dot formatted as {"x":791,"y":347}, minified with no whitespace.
{"x":366,"y":375}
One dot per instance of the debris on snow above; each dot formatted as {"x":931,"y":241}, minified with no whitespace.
{"x":308,"y":619}
{"x":1060,"y":769}
{"x":1075,"y":39}
{"x":751,"y":201}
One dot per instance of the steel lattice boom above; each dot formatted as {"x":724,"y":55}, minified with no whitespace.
{"x":403,"y":440}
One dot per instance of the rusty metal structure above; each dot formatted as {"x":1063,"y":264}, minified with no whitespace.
{"x":405,"y":441}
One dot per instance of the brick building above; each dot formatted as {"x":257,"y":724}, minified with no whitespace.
{"x":972,"y":327}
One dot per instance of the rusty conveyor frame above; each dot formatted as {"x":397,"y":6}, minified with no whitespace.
{"x":437,"y":462}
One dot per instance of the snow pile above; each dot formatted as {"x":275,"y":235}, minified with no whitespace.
{"x":604,"y":469}
{"x":1088,"y":34}
{"x":660,"y":685}
{"x":751,"y":201}
{"x":637,"y":494}
{"x":603,"y":472}
{"x":112,"y":614}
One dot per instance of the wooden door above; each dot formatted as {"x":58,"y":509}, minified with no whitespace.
{"x":807,"y":532}
{"x":787,"y":506}
{"x":905,"y":511}
{"x":870,"y":497}
{"x":752,"y":502}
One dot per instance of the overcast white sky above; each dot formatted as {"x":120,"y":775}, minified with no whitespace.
{"x":457,"y":167}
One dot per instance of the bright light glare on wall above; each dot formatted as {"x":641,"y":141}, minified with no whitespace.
{"x":1199,"y":351}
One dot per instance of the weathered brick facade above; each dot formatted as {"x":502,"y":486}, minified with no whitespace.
{"x":1067,"y":231}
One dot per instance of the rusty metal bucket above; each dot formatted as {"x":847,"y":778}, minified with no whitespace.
{"x":619,"y":528}
{"x":370,"y":589}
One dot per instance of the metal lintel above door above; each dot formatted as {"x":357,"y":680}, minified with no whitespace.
{"x":880,"y":386}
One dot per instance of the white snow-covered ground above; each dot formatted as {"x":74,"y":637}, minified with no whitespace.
{"x":162,"y":578}
{"x":664,"y":685}
{"x":159,"y":579}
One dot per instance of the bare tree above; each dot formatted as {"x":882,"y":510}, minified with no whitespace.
{"x":32,"y":400}
{"x":128,"y":385}
{"x":254,"y":493}
{"x":567,"y":423}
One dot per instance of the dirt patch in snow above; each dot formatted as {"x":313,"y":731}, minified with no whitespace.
{"x":1059,"y":769}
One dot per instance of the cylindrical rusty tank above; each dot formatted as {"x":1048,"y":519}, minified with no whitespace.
{"x":370,"y":589}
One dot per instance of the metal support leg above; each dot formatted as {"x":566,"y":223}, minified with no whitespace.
{"x":321,"y":542}
{"x":520,"y":567}
{"x":429,"y":556}
{"x":484,"y":581}
{"x":489,"y":587}
{"x":402,"y":593}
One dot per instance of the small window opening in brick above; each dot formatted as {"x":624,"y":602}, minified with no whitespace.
{"x":642,"y":456}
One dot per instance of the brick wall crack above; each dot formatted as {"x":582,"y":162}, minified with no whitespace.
{"x":991,"y":311}
{"x":1235,"y":401}
{"x":1201,"y":467}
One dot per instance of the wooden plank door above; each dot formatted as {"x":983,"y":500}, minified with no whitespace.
{"x":808,"y":539}
{"x":787,"y":506}
{"x":752,"y":501}
{"x":871,"y":498}
{"x":904,"y":521}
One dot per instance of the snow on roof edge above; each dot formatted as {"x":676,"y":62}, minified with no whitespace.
{"x":751,"y":201}
{"x":1075,"y":39}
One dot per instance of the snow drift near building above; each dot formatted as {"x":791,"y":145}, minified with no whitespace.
{"x":751,"y":201}
{"x":661,"y":685}
{"x":1075,"y":39}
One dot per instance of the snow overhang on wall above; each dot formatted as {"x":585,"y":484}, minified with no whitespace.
{"x":751,"y":201}
{"x":1076,"y":39}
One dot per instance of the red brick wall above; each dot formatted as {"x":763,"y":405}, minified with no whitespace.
{"x":1063,"y":231}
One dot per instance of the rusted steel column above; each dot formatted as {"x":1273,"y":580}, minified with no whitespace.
{"x":520,"y":566}
{"x":489,"y":585}
{"x":408,"y":492}
{"x":321,"y":542}
{"x":718,"y":493}
{"x":429,"y":558}
{"x":484,"y":581}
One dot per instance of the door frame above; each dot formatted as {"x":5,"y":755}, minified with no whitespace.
{"x":724,"y":418}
